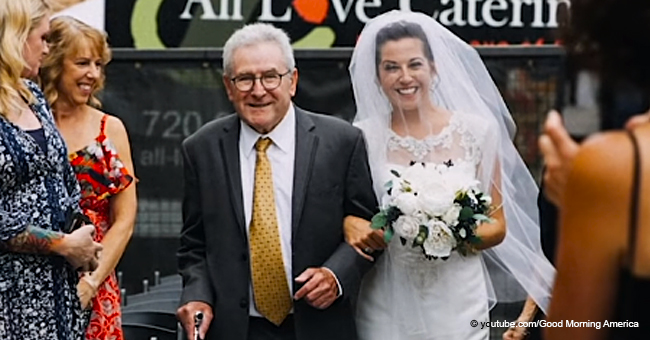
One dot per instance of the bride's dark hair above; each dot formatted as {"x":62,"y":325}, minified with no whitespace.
{"x":400,"y":30}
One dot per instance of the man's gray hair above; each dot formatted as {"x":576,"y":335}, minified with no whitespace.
{"x":254,"y":34}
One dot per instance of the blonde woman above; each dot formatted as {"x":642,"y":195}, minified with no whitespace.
{"x":38,"y":192}
{"x":72,"y":73}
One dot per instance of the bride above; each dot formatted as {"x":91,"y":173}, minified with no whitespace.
{"x":424,"y":95}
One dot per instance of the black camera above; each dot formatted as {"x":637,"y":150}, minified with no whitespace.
{"x":75,"y":221}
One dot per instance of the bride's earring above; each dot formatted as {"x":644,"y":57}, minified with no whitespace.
{"x":433,"y":89}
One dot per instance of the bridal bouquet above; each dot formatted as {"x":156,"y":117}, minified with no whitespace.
{"x":436,"y":207}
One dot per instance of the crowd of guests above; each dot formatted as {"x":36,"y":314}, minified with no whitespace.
{"x":298,"y":270}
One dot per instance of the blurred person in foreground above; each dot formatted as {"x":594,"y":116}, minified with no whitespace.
{"x":71,"y":76}
{"x":262,"y":250}
{"x":603,"y":262}
{"x":38,"y":192}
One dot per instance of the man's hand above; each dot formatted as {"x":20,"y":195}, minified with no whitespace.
{"x":559,"y":150}
{"x":319,"y":290}
{"x":362,"y":237}
{"x":515,"y":333}
{"x":185,"y":315}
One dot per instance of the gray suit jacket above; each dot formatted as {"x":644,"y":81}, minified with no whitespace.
{"x":331,"y":180}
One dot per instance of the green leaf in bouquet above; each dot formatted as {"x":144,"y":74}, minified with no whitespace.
{"x":395,"y":173}
{"x":379,"y":220}
{"x":462,"y":250}
{"x":465,"y":213}
{"x":482,"y":218}
{"x":402,"y":240}
{"x":388,"y":234}
{"x":388,"y":185}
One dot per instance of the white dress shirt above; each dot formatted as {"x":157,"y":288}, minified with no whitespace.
{"x":281,"y":154}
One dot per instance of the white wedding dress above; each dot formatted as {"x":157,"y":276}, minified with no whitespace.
{"x":407,"y":297}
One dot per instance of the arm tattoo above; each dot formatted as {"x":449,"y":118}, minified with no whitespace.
{"x":33,"y":240}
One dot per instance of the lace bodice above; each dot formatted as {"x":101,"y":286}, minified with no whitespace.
{"x":459,"y":140}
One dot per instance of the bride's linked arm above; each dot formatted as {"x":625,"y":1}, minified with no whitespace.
{"x":362,"y":237}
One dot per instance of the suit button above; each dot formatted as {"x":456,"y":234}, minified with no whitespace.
{"x":243,"y":303}
{"x":244,"y":257}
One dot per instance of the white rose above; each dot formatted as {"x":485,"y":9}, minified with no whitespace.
{"x":451,"y":216}
{"x":487,"y":199}
{"x":460,"y":181}
{"x":422,"y":218}
{"x":407,"y":203}
{"x":435,"y":201}
{"x":440,"y":241}
{"x":415,"y":171}
{"x":429,"y":178}
{"x":401,"y":186}
{"x":407,"y":227}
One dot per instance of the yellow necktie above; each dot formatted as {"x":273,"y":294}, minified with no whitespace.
{"x":270,"y":288}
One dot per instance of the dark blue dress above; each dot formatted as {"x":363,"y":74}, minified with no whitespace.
{"x":38,"y":297}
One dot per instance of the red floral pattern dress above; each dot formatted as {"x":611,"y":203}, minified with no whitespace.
{"x":101,"y":174}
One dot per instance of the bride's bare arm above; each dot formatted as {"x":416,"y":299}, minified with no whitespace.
{"x":491,"y":234}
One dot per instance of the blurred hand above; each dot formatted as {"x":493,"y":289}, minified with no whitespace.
{"x":319,"y":290}
{"x":559,"y":150}
{"x":515,"y":333}
{"x":637,"y":120}
{"x":80,"y":250}
{"x":362,"y":237}
{"x":185,"y":315}
{"x":86,"y":290}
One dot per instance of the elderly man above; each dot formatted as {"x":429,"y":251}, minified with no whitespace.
{"x":262,"y":249}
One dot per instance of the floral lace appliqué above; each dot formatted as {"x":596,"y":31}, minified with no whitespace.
{"x":421,"y":148}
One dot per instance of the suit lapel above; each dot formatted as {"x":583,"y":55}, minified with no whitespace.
{"x":306,"y":144}
{"x":229,"y":144}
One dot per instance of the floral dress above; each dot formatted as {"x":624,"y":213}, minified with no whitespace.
{"x":38,"y":293}
{"x":101,"y":174}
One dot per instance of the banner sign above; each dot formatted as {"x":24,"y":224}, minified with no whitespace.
{"x":147,"y":24}
{"x":89,"y":11}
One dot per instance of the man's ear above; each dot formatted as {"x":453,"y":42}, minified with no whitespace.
{"x":294,"y":82}
{"x":227,"y":84}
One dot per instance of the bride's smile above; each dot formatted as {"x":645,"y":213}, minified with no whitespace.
{"x":405,"y":74}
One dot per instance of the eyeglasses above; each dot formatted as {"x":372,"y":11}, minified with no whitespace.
{"x":269,"y":81}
